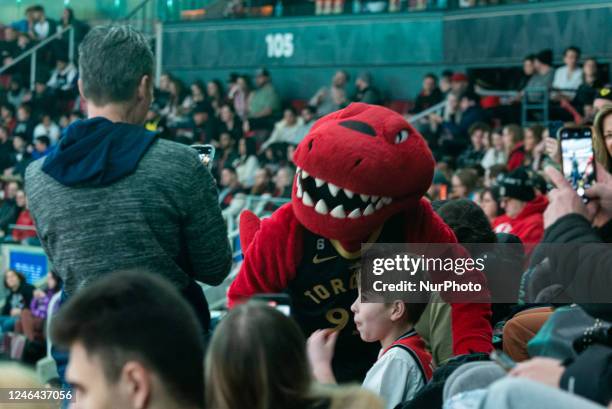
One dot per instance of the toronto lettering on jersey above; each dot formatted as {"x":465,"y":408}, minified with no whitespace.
{"x":323,"y":291}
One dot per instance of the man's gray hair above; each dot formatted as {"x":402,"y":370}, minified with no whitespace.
{"x":112,"y":61}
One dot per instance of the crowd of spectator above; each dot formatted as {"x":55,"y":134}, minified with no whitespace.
{"x":493,"y":183}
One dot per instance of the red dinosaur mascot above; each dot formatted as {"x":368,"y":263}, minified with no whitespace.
{"x":361,"y":176}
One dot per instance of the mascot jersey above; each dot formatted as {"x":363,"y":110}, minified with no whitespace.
{"x":362,"y":173}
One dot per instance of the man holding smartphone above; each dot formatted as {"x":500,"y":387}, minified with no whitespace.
{"x":111,"y":196}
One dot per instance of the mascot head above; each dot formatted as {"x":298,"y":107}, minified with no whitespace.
{"x":356,"y":168}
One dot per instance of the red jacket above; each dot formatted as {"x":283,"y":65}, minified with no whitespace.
{"x":24,"y":219}
{"x":528,"y":225}
{"x":517,"y":157}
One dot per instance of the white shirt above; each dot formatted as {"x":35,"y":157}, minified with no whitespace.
{"x":53,"y":132}
{"x":567,"y":84}
{"x":395,"y":377}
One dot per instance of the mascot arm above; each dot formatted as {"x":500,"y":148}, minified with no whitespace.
{"x":271,"y":258}
{"x":470,"y":322}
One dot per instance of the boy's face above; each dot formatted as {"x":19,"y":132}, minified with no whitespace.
{"x":373,"y":320}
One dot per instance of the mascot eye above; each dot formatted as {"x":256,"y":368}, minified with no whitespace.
{"x":401,"y":136}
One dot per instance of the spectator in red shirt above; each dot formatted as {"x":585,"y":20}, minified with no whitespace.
{"x":24,"y":220}
{"x":513,"y":141}
{"x":524,"y":210}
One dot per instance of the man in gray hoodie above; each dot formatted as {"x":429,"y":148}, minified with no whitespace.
{"x":112,"y":196}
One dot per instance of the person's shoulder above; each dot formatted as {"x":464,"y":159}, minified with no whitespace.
{"x":34,"y":170}
{"x":172,"y":153}
{"x":398,"y":354}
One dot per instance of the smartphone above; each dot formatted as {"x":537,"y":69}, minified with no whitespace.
{"x":503,"y":360}
{"x":577,"y":157}
{"x":206,"y":153}
{"x":281,"y":302}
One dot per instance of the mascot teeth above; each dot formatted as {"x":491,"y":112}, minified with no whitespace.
{"x":333,"y":189}
{"x":379,"y":205}
{"x":364,"y":198}
{"x":319,"y":182}
{"x":304,"y":174}
{"x":321,"y":207}
{"x":307,"y":200}
{"x":338,"y":212}
{"x":355,"y":214}
{"x":386,"y":200}
{"x":348,"y":194}
{"x":375,"y":199}
{"x":300,"y":191}
{"x":368,"y":210}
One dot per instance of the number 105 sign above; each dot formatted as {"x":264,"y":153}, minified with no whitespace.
{"x":280,"y":45}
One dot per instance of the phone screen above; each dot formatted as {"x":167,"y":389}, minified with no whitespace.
{"x":578,"y":159}
{"x":206,"y":154}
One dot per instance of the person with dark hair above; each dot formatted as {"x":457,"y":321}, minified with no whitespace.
{"x":18,"y":299}
{"x":285,"y":130}
{"x":587,"y":91}
{"x":264,"y":103}
{"x":43,"y":102}
{"x":20,"y":159}
{"x":9,"y":210}
{"x":490,"y":203}
{"x":42,"y":145}
{"x":248,"y":365}
{"x":239,"y":95}
{"x":468,"y":221}
{"x":308,"y":119}
{"x":7,"y":117}
{"x":404,"y":366}
{"x":138,"y":200}
{"x":524,"y":210}
{"x":474,"y":154}
{"x":215,"y":95}
{"x":31,"y":322}
{"x":365,"y":90}
{"x":230,"y":189}
{"x":542,"y":79}
{"x":248,"y":162}
{"x":81,"y":28}
{"x":230,"y":122}
{"x":332,"y":98}
{"x":143,"y":350}
{"x":205,"y":127}
{"x":25,"y":124}
{"x":568,"y":77}
{"x":430,"y":94}
{"x":43,"y":27}
{"x":6,"y":149}
{"x":528,"y":71}
{"x":63,"y":79}
{"x":445,"y":82}
{"x":464,"y":182}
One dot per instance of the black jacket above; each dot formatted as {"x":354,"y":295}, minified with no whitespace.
{"x":580,"y":259}
{"x":582,"y":268}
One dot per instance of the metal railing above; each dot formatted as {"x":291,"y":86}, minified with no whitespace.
{"x":32,"y":53}
{"x":436,"y":109}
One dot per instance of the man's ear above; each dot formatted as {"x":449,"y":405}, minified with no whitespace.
{"x":136,"y":384}
{"x":145,"y":88}
{"x":80,"y":85}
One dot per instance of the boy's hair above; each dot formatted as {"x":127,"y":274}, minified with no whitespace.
{"x":479,"y":126}
{"x":137,"y":316}
{"x":414,"y":311}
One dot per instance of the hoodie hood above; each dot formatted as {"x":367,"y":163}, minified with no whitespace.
{"x":97,"y":152}
{"x":536,"y":206}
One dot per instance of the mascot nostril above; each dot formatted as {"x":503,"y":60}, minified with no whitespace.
{"x":351,"y":190}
